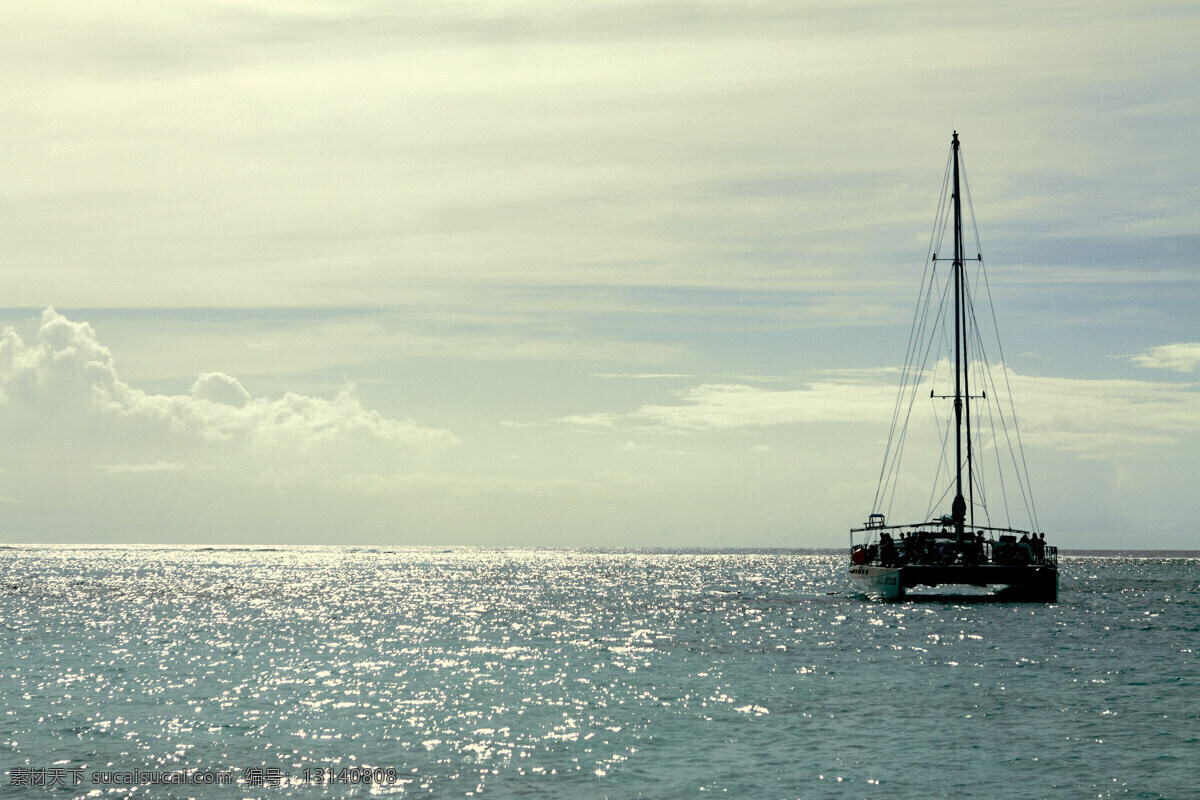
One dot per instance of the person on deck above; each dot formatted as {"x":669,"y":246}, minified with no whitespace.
{"x":1024,"y":547}
{"x":887,"y":550}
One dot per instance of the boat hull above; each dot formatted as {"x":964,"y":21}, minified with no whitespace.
{"x":1034,"y":584}
{"x":883,"y":582}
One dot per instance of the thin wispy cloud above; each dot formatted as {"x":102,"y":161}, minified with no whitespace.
{"x":1077,"y":415}
{"x":326,"y":152}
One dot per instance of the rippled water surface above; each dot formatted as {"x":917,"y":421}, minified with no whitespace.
{"x":547,"y":674}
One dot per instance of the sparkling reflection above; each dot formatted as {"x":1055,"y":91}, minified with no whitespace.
{"x":541,"y":673}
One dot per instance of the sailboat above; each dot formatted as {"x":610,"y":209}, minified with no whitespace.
{"x":975,"y":544}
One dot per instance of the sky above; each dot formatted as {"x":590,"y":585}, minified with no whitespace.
{"x":578,"y":274}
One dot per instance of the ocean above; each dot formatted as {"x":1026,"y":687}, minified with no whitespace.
{"x":324,"y":672}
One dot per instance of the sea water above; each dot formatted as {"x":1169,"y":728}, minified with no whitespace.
{"x":517,"y":673}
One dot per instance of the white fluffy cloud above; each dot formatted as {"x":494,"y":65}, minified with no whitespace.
{"x":218,"y":388}
{"x":62,"y":398}
{"x":1179,"y":357}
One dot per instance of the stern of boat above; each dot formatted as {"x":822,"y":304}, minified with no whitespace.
{"x":885,"y":583}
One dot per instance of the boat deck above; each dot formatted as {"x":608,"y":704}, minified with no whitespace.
{"x":928,"y":555}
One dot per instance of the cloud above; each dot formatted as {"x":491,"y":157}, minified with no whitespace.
{"x":1098,"y":416}
{"x":606,"y":483}
{"x":63,"y":402}
{"x":1180,"y":357}
{"x":158,"y":466}
{"x":1089,"y":417}
{"x":362,"y":149}
{"x":644,"y":376}
{"x":727,"y":406}
{"x":217,"y":388}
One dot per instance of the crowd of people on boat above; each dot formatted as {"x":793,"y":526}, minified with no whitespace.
{"x":931,"y":548}
{"x":1029,"y":549}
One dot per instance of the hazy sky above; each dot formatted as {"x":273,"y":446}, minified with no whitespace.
{"x":585,"y":273}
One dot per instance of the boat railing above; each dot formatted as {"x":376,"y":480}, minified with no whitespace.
{"x":934,"y":550}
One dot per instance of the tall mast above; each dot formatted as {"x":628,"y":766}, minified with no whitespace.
{"x":959,"y":509}
{"x":966,"y":326}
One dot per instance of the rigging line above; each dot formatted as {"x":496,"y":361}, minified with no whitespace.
{"x":911,"y":381}
{"x":978,"y":476}
{"x":999,"y":466}
{"x":950,"y":486}
{"x":1026,"y":495}
{"x":936,"y":329}
{"x":1020,"y":445}
{"x":941,"y":466}
{"x":929,"y":270}
{"x":970,"y":206}
{"x":945,"y":423}
{"x":905,"y":378}
{"x":993,"y":410}
{"x":1000,"y":345}
{"x":913,"y":337}
{"x":981,"y":501}
{"x":984,"y":371}
{"x":983,"y":375}
{"x":894,"y":472}
{"x":941,"y":233}
{"x":894,"y":477}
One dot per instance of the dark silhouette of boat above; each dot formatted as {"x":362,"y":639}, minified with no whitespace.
{"x":965,"y":547}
